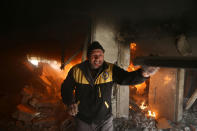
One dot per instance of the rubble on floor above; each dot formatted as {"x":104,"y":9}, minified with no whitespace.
{"x":138,"y":121}
{"x":189,"y":121}
{"x":41,"y":107}
{"x":40,"y":114}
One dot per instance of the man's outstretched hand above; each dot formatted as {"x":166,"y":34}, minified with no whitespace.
{"x":72,"y":109}
{"x":147,"y":71}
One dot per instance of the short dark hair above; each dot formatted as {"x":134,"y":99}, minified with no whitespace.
{"x":94,"y":45}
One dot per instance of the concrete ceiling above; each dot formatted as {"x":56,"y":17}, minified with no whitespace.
{"x":19,"y":13}
{"x":55,"y":22}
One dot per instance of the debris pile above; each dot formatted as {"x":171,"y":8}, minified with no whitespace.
{"x":41,"y":107}
{"x":138,"y":121}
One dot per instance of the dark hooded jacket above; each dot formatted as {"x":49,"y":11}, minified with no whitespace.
{"x":92,"y":89}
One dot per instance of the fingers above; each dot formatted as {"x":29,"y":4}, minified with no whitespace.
{"x":73,"y":109}
{"x":149,"y":70}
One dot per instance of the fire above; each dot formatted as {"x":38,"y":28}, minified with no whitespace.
{"x":143,"y":106}
{"x":133,"y":46}
{"x":52,"y":63}
{"x":50,"y":73}
{"x":36,"y":60}
{"x":151,"y":114}
{"x":142,"y":86}
{"x":132,"y":67}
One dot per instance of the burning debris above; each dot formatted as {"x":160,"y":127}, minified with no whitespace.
{"x":41,"y":107}
{"x":139,"y":120}
{"x":142,"y":118}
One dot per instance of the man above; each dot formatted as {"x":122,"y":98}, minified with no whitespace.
{"x":87,"y":89}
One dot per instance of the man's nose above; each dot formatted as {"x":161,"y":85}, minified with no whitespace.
{"x":96,"y":57}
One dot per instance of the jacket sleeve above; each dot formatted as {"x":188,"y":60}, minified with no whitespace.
{"x":122,"y":77}
{"x":67,"y":89}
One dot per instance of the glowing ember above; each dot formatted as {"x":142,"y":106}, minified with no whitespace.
{"x":143,"y":106}
{"x":151,"y":114}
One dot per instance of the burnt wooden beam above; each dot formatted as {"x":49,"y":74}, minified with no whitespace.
{"x":191,"y":100}
{"x":167,"y":61}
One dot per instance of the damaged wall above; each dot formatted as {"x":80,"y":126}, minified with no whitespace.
{"x":151,"y":39}
{"x":34,"y":25}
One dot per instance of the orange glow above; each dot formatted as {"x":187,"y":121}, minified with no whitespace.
{"x":73,"y":92}
{"x":143,"y":106}
{"x":133,"y":46}
{"x":53,"y":63}
{"x":151,"y":114}
{"x":49,"y":90}
{"x":26,"y":109}
{"x":167,"y":79}
{"x":36,"y":60}
{"x":140,"y":87}
{"x":132,"y":67}
{"x":50,"y":73}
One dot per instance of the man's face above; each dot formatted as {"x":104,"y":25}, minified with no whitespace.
{"x":96,"y":58}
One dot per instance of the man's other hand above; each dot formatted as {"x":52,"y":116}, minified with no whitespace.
{"x":149,"y":70}
{"x":72,"y":109}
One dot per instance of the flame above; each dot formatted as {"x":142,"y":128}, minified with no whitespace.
{"x":142,"y":86}
{"x":51,"y":74}
{"x":143,"y":106}
{"x":33,"y":60}
{"x":151,"y":114}
{"x":54,"y":64}
{"x":36,"y":60}
{"x":133,"y":46}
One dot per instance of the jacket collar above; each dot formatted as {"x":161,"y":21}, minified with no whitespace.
{"x":85,"y":67}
